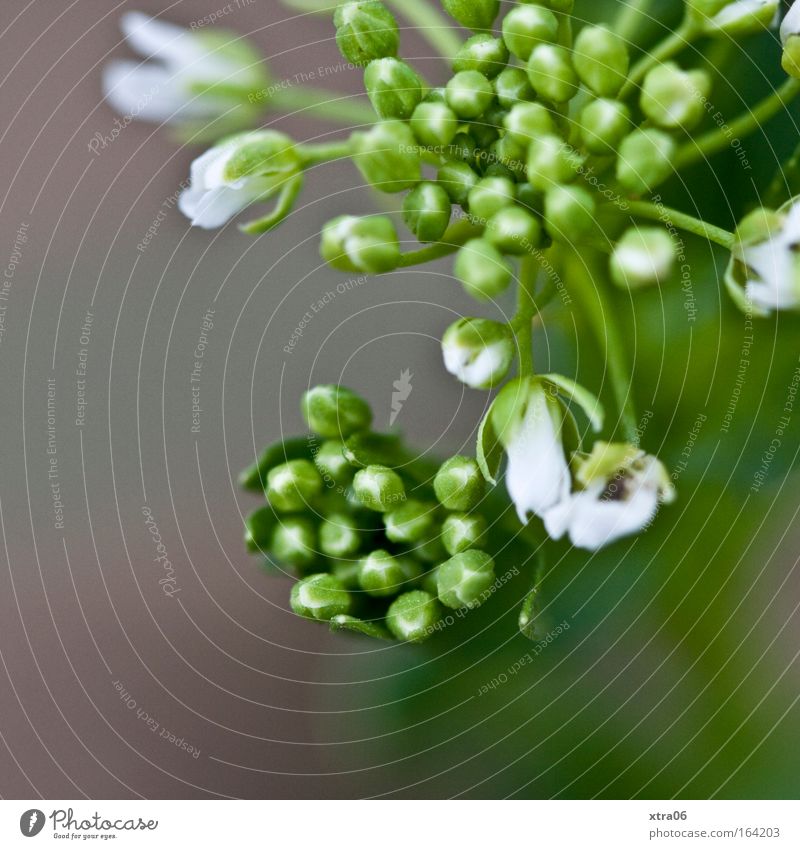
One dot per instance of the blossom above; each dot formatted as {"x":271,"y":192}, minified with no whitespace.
{"x":478,"y":351}
{"x":193,"y":76}
{"x":622,"y":488}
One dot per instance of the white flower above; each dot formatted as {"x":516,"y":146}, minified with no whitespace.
{"x":478,"y":351}
{"x":791,"y":23}
{"x":193,"y":76}
{"x":538,"y":475}
{"x":743,"y":16}
{"x":766,"y":261}
{"x":232,"y":175}
{"x":622,"y":489}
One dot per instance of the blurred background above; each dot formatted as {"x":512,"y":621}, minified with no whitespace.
{"x":678,"y":673}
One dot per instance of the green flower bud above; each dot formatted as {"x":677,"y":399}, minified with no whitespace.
{"x":393,"y":87}
{"x":368,"y":244}
{"x":365,"y":30}
{"x":645,"y":160}
{"x":512,"y":86}
{"x":604,"y":124}
{"x":426,"y":211}
{"x":259,"y":526}
{"x":469,"y":94}
{"x":294,"y":541}
{"x":320,"y":597}
{"x":462,"y":531}
{"x":527,"y":121}
{"x":388,"y":156}
{"x":530,"y":198}
{"x":482,"y":53}
{"x":339,"y":536}
{"x":733,"y":17}
{"x":430,"y":551}
{"x":459,"y":484}
{"x":601,"y":60}
{"x":410,"y":523}
{"x":514,"y":230}
{"x":463,"y":148}
{"x":374,"y":449}
{"x":672,"y":98}
{"x":551,"y":73}
{"x":478,"y":352}
{"x":291,"y":486}
{"x":254,"y":477}
{"x":482,"y":270}
{"x":381,"y":574}
{"x":642,"y":257}
{"x":465,"y":579}
{"x":434,"y":124}
{"x":569,"y":213}
{"x":510,"y":155}
{"x":458,"y":180}
{"x":552,"y":161}
{"x":413,"y":616}
{"x":334,"y":411}
{"x":489,"y":196}
{"x":379,"y":488}
{"x":526,"y":26}
{"x":473,"y":14}
{"x":332,"y":464}
{"x":483,"y":133}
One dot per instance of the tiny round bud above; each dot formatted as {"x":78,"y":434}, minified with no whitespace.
{"x":483,"y":133}
{"x":569,"y":213}
{"x":508,"y":159}
{"x":381,"y":574}
{"x":465,"y":580}
{"x":734,"y":17}
{"x":463,"y":148}
{"x":469,"y":94}
{"x":291,"y":486}
{"x":642,"y":257}
{"x":482,"y":270}
{"x":339,"y":536}
{"x":413,"y":616}
{"x":332,"y":464}
{"x":672,"y":98}
{"x":367,"y":244}
{"x":482,"y":53}
{"x":259,"y":526}
{"x":379,"y":488}
{"x":320,"y":597}
{"x":388,"y":156}
{"x":645,"y":160}
{"x":473,"y":14}
{"x":601,"y":60}
{"x":457,"y":179}
{"x":410,"y":523}
{"x":526,"y":26}
{"x":512,"y":86}
{"x":393,"y":87}
{"x":552,"y":161}
{"x":365,"y":30}
{"x":489,"y":196}
{"x":426,"y":211}
{"x":604,"y":124}
{"x":527,"y":121}
{"x":551,"y":73}
{"x":294,"y":541}
{"x":478,"y":351}
{"x":514,"y":230}
{"x":462,"y":531}
{"x":434,"y":124}
{"x":334,"y":411}
{"x":459,"y":484}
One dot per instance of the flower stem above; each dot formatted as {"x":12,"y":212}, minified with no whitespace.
{"x":668,"y":216}
{"x":666,"y":49}
{"x":322,"y":103}
{"x":628,"y":18}
{"x":453,"y":239}
{"x":315,"y":154}
{"x":434,"y":28}
{"x":717,"y":140}
{"x":522,"y":323}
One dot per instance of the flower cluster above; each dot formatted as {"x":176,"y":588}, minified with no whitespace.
{"x":380,"y":541}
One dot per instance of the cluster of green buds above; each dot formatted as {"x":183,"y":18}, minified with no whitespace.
{"x":380,"y":542}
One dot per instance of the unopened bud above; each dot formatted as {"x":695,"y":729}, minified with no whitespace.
{"x":489,"y":196}
{"x":387,"y":156}
{"x":379,"y":488}
{"x":569,"y":212}
{"x":601,"y":60}
{"x":354,"y":244}
{"x":645,"y":160}
{"x":551,"y":73}
{"x":473,"y":14}
{"x":413,"y":616}
{"x":462,"y":531}
{"x":672,"y":98}
{"x":482,"y":269}
{"x":512,"y":86}
{"x":527,"y":121}
{"x":410,"y":523}
{"x":334,"y":411}
{"x":469,"y":94}
{"x":365,"y":30}
{"x":459,"y":484}
{"x":259,"y":526}
{"x":294,"y":541}
{"x":642,"y":257}
{"x":526,"y":26}
{"x":426,"y":211}
{"x":552,"y":161}
{"x":465,"y":579}
{"x":393,"y":87}
{"x":483,"y":53}
{"x":478,"y":351}
{"x":458,"y":180}
{"x":382,"y":574}
{"x":293,"y":485}
{"x":332,"y":464}
{"x":339,"y":536}
{"x":514,"y":230}
{"x":320,"y":597}
{"x":604,"y":124}
{"x":434,"y":124}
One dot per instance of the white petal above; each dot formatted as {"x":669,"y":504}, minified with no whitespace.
{"x":597,"y":522}
{"x":739,"y":10}
{"x":558,"y":518}
{"x":148,"y":92}
{"x":791,"y":23}
{"x":215,"y":207}
{"x":153,"y":37}
{"x":476,"y":372}
{"x":206,"y":172}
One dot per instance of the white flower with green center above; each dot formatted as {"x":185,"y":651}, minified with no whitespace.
{"x":764,"y":272}
{"x":191,"y":76}
{"x":246,"y":168}
{"x":622,"y":488}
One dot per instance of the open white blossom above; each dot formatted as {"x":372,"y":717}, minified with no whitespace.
{"x":791,"y":23}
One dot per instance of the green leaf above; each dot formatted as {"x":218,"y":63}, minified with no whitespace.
{"x":589,"y":403}
{"x":359,"y":626}
{"x":489,"y":451}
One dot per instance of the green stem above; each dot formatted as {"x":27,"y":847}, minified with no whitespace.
{"x":314,"y":154}
{"x":322,"y":103}
{"x":747,"y":123}
{"x":669,"y":47}
{"x":522,"y":323}
{"x":668,"y":216}
{"x":587,"y":279}
{"x":628,"y":18}
{"x":453,"y":239}
{"x":436,"y":30}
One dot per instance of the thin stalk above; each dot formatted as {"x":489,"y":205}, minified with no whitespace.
{"x":629,"y":18}
{"x":323,"y":103}
{"x":669,"y":216}
{"x":314,"y":154}
{"x":435,"y":29}
{"x":455,"y":237}
{"x":522,"y":323}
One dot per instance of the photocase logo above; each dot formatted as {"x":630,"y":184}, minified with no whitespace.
{"x":31,"y":822}
{"x":402,"y":390}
